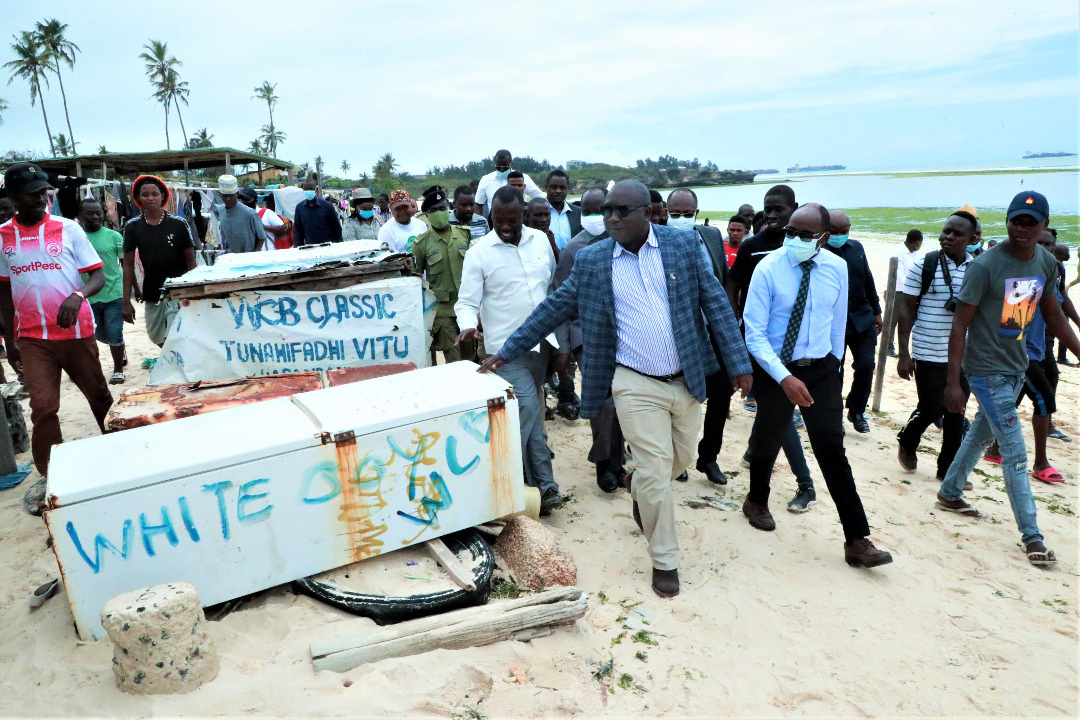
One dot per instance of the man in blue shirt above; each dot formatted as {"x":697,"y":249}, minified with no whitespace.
{"x":795,"y":318}
{"x":316,"y":220}
{"x":565,"y":218}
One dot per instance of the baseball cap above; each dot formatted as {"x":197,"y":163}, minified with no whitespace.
{"x":1029,"y":203}
{"x":25,"y":177}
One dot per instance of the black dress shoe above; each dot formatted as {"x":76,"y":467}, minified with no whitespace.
{"x":684,"y":477}
{"x":665,"y":583}
{"x":608,"y":481}
{"x":550,"y":500}
{"x":858,"y":421}
{"x":712,"y":473}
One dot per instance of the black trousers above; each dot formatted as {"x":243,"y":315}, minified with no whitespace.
{"x":862,"y":346}
{"x":930,"y":379}
{"x":824,"y":425}
{"x":719,"y":391}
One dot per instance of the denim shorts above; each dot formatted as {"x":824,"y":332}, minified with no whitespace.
{"x":109,"y":322}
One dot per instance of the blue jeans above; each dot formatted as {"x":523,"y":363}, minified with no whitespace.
{"x":526,"y":374}
{"x":997,"y":419}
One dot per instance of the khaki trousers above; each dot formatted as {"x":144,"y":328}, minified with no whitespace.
{"x":660,"y":421}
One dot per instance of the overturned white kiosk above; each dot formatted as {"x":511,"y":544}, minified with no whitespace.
{"x":251,"y":497}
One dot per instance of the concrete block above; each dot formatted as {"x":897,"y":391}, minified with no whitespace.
{"x":160,"y":643}
{"x":533,"y":556}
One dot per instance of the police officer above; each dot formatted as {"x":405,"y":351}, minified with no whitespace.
{"x":440,"y":253}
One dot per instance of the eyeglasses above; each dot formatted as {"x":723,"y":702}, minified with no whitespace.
{"x":804,"y":235}
{"x":621,"y":210}
{"x":682,"y":215}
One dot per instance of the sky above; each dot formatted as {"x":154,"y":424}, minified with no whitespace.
{"x":884,"y":84}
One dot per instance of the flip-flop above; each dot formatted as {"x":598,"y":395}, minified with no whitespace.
{"x":43,"y":593}
{"x":117,"y":378}
{"x":995,"y":460}
{"x":1058,"y":435}
{"x":1040,"y":558}
{"x":1049,"y":475}
{"x":965,"y":510}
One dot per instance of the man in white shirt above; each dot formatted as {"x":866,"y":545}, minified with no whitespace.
{"x":495,"y":180}
{"x":905,"y":257}
{"x":403,"y":229}
{"x":506,"y":274}
{"x":795,"y":318}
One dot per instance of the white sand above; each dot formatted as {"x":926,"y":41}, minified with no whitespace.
{"x":767,"y":623}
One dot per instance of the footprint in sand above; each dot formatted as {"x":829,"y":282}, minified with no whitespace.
{"x":965,"y":623}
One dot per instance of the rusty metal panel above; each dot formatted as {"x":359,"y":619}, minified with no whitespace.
{"x":343,"y":376}
{"x":158,"y":403}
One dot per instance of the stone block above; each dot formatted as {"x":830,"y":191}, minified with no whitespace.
{"x":533,"y":556}
{"x":160,"y":643}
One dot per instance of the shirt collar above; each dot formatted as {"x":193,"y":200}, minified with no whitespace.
{"x":651,"y":240}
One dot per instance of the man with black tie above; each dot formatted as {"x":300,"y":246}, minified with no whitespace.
{"x":795,"y":317}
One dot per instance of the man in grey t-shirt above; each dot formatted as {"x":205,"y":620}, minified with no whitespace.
{"x":1001,"y":291}
{"x":241,"y":229}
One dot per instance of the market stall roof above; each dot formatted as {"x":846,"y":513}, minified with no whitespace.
{"x":162,"y":160}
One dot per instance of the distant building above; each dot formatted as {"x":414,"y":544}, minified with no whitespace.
{"x":575,"y":164}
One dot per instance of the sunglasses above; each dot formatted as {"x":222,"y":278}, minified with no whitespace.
{"x":681,"y":215}
{"x":621,"y":210}
{"x":804,"y":235}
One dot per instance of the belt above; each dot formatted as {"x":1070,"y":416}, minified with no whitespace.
{"x":661,"y":378}
{"x":803,"y":362}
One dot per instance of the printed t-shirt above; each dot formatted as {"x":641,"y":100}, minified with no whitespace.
{"x":161,"y":248}
{"x":731,"y":253}
{"x":1006,"y":292}
{"x":42,"y":263}
{"x":398,"y":237}
{"x":109,"y":245}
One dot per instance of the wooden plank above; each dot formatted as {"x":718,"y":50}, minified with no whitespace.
{"x":453,"y":567}
{"x":321,"y":648}
{"x":368,"y":272}
{"x":480,"y":631}
{"x":884,"y":337}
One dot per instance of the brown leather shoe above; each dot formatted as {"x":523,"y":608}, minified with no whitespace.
{"x":758,"y":515}
{"x":862,"y":553}
{"x":665,"y":583}
{"x":908,"y":459}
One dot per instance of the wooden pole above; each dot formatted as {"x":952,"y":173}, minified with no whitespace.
{"x":78,"y":168}
{"x":883,"y":339}
{"x":228,"y":165}
{"x":186,"y":180}
{"x":103,"y":170}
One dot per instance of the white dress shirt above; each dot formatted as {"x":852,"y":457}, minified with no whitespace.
{"x":504,"y":283}
{"x":644,"y":339}
{"x":491,"y":182}
{"x":771,"y":296}
{"x":905,"y":259}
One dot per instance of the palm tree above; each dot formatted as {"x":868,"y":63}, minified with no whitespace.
{"x":385,"y":167}
{"x":201,"y":139}
{"x":345,"y":166}
{"x":31,"y":63}
{"x":64,"y":146}
{"x":271,"y":138}
{"x":265,"y":92}
{"x":101,"y":150}
{"x":158,"y":66}
{"x":3,"y":109}
{"x":180,"y":93}
{"x":50,"y":34}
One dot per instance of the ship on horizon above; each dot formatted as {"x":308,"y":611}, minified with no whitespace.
{"x":1032,"y":155}
{"x":814,"y":168}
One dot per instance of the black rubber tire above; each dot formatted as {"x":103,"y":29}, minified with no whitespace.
{"x":386,"y":609}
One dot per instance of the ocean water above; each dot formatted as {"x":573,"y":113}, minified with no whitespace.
{"x":868,"y":189}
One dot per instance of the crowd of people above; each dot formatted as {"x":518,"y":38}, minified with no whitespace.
{"x":652,"y":311}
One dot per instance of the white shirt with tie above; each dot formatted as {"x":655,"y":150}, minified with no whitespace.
{"x":771,"y":296}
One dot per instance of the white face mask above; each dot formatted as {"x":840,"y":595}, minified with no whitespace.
{"x":594,"y":224}
{"x":800,"y":250}
{"x":682,"y":223}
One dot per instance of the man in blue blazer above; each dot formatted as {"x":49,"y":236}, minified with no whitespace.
{"x":643,"y":297}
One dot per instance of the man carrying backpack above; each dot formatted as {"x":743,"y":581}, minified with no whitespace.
{"x":930,"y":296}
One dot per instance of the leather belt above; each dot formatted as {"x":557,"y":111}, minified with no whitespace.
{"x":661,"y":378}
{"x":803,"y":362}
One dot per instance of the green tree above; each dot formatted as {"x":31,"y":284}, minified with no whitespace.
{"x":101,"y":150}
{"x":64,"y":147}
{"x":385,"y":167}
{"x":271,"y":138}
{"x":200,"y":139}
{"x":265,"y":92}
{"x":50,"y":34}
{"x":31,"y":64}
{"x":3,"y":109}
{"x":345,"y":166}
{"x":179,"y":90}
{"x":158,"y":65}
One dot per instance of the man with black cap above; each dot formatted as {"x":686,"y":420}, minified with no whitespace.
{"x":997,"y":302}
{"x":440,"y":252}
{"x":44,"y":307}
{"x":362,"y":224}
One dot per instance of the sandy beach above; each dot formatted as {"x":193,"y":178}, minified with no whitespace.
{"x":767,"y":624}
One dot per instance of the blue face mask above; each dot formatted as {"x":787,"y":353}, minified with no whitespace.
{"x":800,"y":250}
{"x":366,"y":214}
{"x":837,"y":241}
{"x":974,"y":248}
{"x":682,"y":223}
{"x":502,"y":175}
{"x":309,"y":194}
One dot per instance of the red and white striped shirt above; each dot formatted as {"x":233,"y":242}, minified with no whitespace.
{"x":42,"y":263}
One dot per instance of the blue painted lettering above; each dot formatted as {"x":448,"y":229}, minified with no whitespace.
{"x":452,"y":458}
{"x":327,"y":473}
{"x":219,"y":489}
{"x":185,"y":515}
{"x":149,"y":531}
{"x":100,"y":543}
{"x":246,"y":496}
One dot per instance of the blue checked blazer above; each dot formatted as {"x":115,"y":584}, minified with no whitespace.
{"x":692,"y":290}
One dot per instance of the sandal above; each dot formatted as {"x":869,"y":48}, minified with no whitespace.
{"x":1040,"y":558}
{"x":995,"y":460}
{"x":1058,"y":435}
{"x":117,"y":378}
{"x":1048,"y":475}
{"x":957,"y":506}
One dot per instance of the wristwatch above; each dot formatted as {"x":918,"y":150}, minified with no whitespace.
{"x":79,"y":294}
